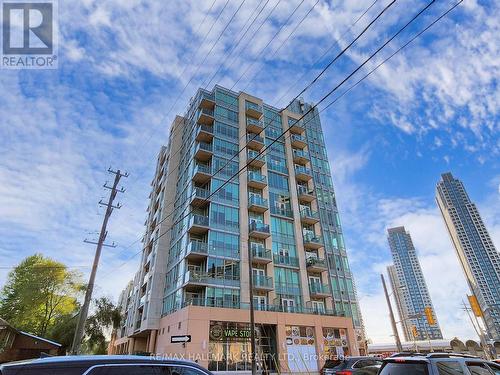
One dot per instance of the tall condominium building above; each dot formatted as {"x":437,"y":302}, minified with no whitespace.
{"x":476,"y":252}
{"x":276,"y":221}
{"x":410,"y":291}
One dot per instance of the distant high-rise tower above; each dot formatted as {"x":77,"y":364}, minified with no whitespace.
{"x":478,"y":256}
{"x":410,"y":290}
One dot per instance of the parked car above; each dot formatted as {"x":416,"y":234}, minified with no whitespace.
{"x":352,"y":365}
{"x":438,"y":364}
{"x":102,"y":365}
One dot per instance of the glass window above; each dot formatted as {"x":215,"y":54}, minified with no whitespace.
{"x":224,"y":244}
{"x":449,"y":368}
{"x":404,"y":369}
{"x":478,"y":369}
{"x":224,"y":217}
{"x":145,"y":370}
{"x":228,"y":193}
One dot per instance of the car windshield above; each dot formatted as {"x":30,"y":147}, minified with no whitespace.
{"x":407,"y":368}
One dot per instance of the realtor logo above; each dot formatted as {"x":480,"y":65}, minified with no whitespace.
{"x":29,"y":35}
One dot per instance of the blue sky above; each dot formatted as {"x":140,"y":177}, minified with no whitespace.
{"x":431,"y":109}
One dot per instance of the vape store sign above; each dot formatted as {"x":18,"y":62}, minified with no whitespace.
{"x":29,"y":34}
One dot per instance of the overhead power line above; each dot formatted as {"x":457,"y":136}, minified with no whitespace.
{"x":268,"y":43}
{"x":336,"y":42}
{"x":304,"y":17}
{"x":323,"y":99}
{"x":235,"y":45}
{"x":265,"y":127}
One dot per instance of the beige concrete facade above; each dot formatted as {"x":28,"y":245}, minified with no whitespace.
{"x":195,"y":321}
{"x":315,"y":309}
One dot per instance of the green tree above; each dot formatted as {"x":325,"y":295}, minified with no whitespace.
{"x":106,"y":316}
{"x":38,"y":293}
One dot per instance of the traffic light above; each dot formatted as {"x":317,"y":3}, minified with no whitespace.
{"x":429,"y":316}
{"x":414,"y":331}
{"x":474,"y":304}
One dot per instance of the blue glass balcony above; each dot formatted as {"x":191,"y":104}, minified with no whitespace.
{"x":204,"y":133}
{"x":253,"y":109}
{"x":199,"y":197}
{"x":304,"y":194}
{"x":257,"y":204}
{"x":255,"y":142}
{"x":312,"y":241}
{"x":302,"y":173}
{"x":254,"y":125}
{"x":300,"y":156}
{"x":308,"y":216}
{"x":255,"y":160}
{"x":298,"y":141}
{"x":260,"y":254}
{"x":206,"y":100}
{"x":262,"y":282}
{"x":202,"y":173}
{"x":285,"y":260}
{"x":198,"y":224}
{"x":203,"y":151}
{"x":197,"y":250}
{"x":198,"y":278}
{"x":257,"y":180}
{"x":316,"y":264}
{"x":258,"y":230}
{"x":296,"y":126}
{"x":205,"y":116}
{"x":319,"y":290}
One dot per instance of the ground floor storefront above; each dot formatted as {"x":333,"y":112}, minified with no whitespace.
{"x":219,"y":339}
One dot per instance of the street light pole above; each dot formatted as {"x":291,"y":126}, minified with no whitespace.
{"x":399,"y":347}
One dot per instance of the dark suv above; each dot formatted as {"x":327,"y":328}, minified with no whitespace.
{"x":438,"y":364}
{"x":102,"y":365}
{"x":352,"y":365}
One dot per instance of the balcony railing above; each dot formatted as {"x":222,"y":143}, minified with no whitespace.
{"x":205,"y":116}
{"x":203,"y":151}
{"x":204,"y":133}
{"x":255,"y":159}
{"x":296,"y":126}
{"x":311,"y":240}
{"x":298,"y":141}
{"x":304,"y":192}
{"x":199,"y":196}
{"x":309,"y":216}
{"x":257,"y":180}
{"x":256,"y":200}
{"x":255,"y":138}
{"x":316,"y":263}
{"x":287,"y":288}
{"x":222,"y":303}
{"x":259,"y":252}
{"x":262,"y":282}
{"x":197,"y":277}
{"x":259,"y":227}
{"x":319,"y":289}
{"x":197,"y":247}
{"x":303,"y":172}
{"x":198,"y":223}
{"x":253,"y":109}
{"x":286,"y":260}
{"x":254,"y":125}
{"x":206,"y":100}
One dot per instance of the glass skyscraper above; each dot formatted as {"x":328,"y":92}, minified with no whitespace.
{"x":475,"y":249}
{"x":276,"y":221}
{"x":410,"y":290}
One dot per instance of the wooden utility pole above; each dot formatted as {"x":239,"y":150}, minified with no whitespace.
{"x":82,"y":316}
